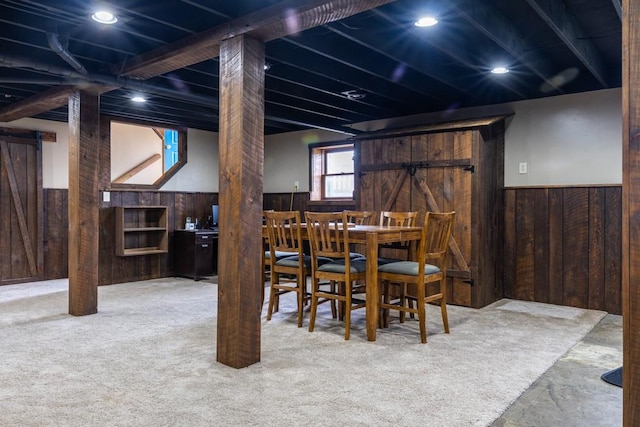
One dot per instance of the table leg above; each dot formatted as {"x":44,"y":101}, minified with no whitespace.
{"x":372,"y":286}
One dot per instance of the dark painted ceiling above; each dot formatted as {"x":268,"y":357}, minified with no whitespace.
{"x":552,"y":47}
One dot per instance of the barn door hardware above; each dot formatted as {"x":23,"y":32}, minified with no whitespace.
{"x":469,"y":168}
{"x":411,"y":168}
{"x":469,"y":281}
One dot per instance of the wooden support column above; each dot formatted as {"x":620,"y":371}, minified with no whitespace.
{"x":631,"y":212}
{"x":241,"y":139}
{"x":84,"y":138}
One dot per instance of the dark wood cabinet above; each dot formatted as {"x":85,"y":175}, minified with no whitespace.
{"x":195,"y":253}
{"x":445,"y":167}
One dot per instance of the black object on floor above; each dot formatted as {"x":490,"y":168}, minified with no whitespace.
{"x":613,"y":377}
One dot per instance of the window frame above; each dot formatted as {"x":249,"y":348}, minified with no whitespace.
{"x":318,"y":167}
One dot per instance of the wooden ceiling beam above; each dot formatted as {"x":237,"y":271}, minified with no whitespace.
{"x":279,"y":20}
{"x":48,"y":100}
{"x":44,"y":101}
{"x":284,"y":18}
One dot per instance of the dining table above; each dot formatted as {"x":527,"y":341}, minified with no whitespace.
{"x":372,"y":236}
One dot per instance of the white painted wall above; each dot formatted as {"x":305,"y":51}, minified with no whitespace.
{"x":131,"y":145}
{"x":200,"y":174}
{"x":566,"y":140}
{"x":286,"y":159}
{"x":55,"y":155}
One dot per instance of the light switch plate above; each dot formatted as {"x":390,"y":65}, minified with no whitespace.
{"x":106,"y":196}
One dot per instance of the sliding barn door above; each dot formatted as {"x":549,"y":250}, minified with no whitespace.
{"x":441,"y":182}
{"x":428,"y":172}
{"x":20,"y":208}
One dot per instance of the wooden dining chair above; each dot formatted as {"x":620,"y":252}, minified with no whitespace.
{"x":414,"y":277}
{"x":266,"y":264}
{"x":359,"y":217}
{"x":401,"y":250}
{"x":329,"y":238}
{"x":285,"y":237}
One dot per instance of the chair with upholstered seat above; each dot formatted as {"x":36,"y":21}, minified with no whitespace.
{"x":416,"y":278}
{"x":285,"y":238}
{"x":359,"y":217}
{"x":397,"y":219}
{"x":266,"y":264}
{"x":329,"y":237}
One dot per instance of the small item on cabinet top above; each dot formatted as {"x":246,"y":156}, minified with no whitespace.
{"x":189,"y":225}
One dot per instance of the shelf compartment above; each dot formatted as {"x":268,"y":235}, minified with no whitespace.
{"x":141,"y":230}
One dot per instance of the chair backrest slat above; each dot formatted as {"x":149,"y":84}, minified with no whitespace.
{"x":436,"y":234}
{"x":359,"y":217}
{"x":284,"y":231}
{"x":398,"y":219}
{"x":328,"y":236}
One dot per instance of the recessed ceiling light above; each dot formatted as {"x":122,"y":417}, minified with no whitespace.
{"x":500,"y":70}
{"x":354,"y":94}
{"x":426,"y":21}
{"x":139,"y":98}
{"x":104,"y":17}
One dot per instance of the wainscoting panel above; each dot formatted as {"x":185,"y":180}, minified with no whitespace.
{"x":564,"y":246}
{"x":113,"y":268}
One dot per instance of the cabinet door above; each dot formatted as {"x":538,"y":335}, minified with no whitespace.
{"x":446,"y":185}
{"x":428,"y":172}
{"x":382,"y":181}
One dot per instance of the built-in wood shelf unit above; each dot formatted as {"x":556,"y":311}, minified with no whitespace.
{"x":141,"y":230}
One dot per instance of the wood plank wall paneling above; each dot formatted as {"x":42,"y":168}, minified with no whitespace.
{"x":563,"y":246}
{"x":113,"y":268}
{"x":534,"y":261}
{"x":56,"y":238}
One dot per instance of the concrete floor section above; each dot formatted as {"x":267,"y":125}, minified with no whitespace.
{"x":572,"y":393}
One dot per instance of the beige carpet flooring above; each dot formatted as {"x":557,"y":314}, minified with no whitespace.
{"x":148,"y":359}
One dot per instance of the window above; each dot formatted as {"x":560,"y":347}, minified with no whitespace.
{"x":332,"y":169}
{"x":145,"y":155}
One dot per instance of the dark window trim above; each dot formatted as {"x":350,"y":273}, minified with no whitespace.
{"x":317,"y":160}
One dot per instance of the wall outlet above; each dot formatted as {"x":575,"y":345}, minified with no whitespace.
{"x":523,"y":168}
{"x":296,"y":184}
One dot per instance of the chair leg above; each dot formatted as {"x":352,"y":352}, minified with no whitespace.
{"x":381,"y":310}
{"x":387,"y":299}
{"x":335,"y":311}
{"x":443,"y":309}
{"x":272,"y":296}
{"x":301,"y":293}
{"x":403,"y":301}
{"x":342,"y":308}
{"x":314,"y":305}
{"x":422,"y":314}
{"x":347,"y":311}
